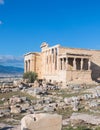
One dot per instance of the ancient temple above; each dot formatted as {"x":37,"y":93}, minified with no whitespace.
{"x":62,"y":64}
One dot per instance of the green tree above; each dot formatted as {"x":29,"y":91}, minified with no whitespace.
{"x":31,"y":76}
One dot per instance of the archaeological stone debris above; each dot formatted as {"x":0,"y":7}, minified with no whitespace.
{"x":66,"y":95}
{"x":41,"y":122}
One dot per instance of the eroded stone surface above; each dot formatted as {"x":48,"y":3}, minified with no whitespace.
{"x":42,"y":122}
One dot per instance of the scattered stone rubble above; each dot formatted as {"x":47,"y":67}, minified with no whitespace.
{"x":90,"y":119}
{"x":50,"y":99}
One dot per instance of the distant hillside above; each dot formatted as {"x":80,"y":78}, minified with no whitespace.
{"x":10,"y":70}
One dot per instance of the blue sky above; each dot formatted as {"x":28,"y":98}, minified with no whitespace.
{"x":25,"y":24}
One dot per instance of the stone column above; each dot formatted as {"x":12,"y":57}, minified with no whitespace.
{"x":47,"y":61}
{"x":56,"y":59}
{"x":28,"y":65}
{"x":31,"y":65}
{"x":62,"y":63}
{"x":81,"y":64}
{"x":59,"y":64}
{"x":50,"y":61}
{"x":25,"y":64}
{"x":74,"y":64}
{"x":89,"y":64}
{"x":66,"y":63}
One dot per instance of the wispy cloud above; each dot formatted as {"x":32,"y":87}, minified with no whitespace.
{"x":9,"y":60}
{"x":1,"y":22}
{"x":1,"y":2}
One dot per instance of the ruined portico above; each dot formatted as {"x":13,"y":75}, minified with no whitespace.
{"x":32,"y":62}
{"x":75,"y":66}
{"x":62,"y":64}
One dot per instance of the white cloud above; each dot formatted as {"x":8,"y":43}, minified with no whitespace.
{"x":10,"y":60}
{"x":1,"y":2}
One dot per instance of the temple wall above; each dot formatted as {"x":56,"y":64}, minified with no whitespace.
{"x":95,"y":65}
{"x":33,"y":61}
{"x":51,"y":65}
{"x":38,"y":65}
{"x":78,"y":75}
{"x":50,"y":61}
{"x":95,"y":60}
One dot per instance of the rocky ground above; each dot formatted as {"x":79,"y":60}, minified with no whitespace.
{"x":78,"y":104}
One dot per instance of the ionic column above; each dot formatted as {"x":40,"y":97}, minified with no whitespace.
{"x":59,"y":64}
{"x":74,"y":64}
{"x":47,"y":62}
{"x":62,"y":63}
{"x":44,"y":61}
{"x":50,"y":61}
{"x":53,"y":61}
{"x":55,"y":58}
{"x":32,"y":67}
{"x":66,"y":63}
{"x":28,"y":65}
{"x":25,"y":64}
{"x":89,"y":64}
{"x":81,"y":64}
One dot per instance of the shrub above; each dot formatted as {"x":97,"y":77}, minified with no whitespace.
{"x":31,"y":76}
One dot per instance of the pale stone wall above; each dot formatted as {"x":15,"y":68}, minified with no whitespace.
{"x":95,"y":60}
{"x":35,"y":63}
{"x":30,"y":57}
{"x":38,"y":65}
{"x":50,"y":61}
{"x":60,"y":77}
{"x":95,"y":65}
{"x":79,"y":75}
{"x":65,"y":64}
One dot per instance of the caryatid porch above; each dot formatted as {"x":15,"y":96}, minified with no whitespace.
{"x":76,"y":66}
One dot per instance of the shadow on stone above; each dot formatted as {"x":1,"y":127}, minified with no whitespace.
{"x":6,"y":128}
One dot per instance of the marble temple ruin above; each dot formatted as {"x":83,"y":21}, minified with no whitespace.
{"x":62,"y":64}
